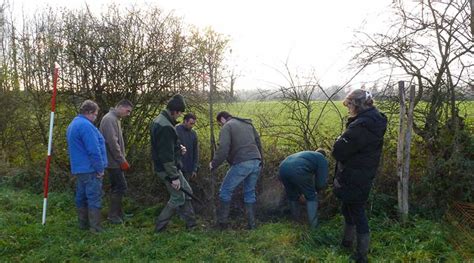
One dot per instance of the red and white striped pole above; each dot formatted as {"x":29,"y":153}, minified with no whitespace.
{"x":50,"y":140}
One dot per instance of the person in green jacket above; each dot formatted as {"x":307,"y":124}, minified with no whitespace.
{"x":304,"y":173}
{"x":166,"y":154}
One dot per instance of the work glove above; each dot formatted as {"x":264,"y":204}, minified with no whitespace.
{"x":125,"y":166}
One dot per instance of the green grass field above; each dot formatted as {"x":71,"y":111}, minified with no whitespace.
{"x":24,"y":239}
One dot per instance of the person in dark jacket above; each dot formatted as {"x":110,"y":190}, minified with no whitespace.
{"x":239,"y":144}
{"x":86,"y":147}
{"x":112,"y":132}
{"x":357,"y":152}
{"x":166,"y":154}
{"x":304,"y":173}
{"x":188,"y":138}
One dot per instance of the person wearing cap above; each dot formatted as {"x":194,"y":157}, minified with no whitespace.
{"x":239,"y":144}
{"x":166,"y":155}
{"x":357,"y":152}
{"x":112,"y":132}
{"x":86,"y":147}
{"x":304,"y":173}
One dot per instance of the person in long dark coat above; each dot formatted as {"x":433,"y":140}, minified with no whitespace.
{"x":357,"y":152}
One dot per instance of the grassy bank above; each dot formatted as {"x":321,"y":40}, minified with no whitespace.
{"x":23,"y":238}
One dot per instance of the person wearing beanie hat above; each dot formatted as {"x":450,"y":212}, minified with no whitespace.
{"x":176,"y":103}
{"x":166,"y":154}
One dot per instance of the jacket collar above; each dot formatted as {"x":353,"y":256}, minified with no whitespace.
{"x":167,"y":115}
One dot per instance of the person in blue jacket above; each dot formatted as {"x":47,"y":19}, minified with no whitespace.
{"x":304,"y":173}
{"x":88,"y":156}
{"x":357,"y":152}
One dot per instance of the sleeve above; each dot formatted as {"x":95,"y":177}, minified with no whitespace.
{"x":93,"y":147}
{"x":166,"y":154}
{"x":195,"y":153}
{"x":321,"y":174}
{"x":349,"y":143}
{"x":224,"y":147}
{"x":109,"y":130}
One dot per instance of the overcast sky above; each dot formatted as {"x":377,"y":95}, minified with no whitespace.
{"x":313,"y":35}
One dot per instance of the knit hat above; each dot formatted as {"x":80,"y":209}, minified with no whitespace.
{"x":176,"y":103}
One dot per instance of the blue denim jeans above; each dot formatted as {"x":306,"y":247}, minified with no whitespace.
{"x":88,"y":191}
{"x":247,"y":172}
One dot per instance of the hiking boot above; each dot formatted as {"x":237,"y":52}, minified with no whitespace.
{"x":295,"y":210}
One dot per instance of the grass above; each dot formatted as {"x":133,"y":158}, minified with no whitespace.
{"x":23,"y":238}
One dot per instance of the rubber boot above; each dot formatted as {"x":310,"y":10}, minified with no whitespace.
{"x":312,"y":210}
{"x":363,"y":241}
{"x":95,"y":217}
{"x":295,"y":210}
{"x":349,"y":236}
{"x":250,"y":211}
{"x":164,"y":218}
{"x":83,"y":218}
{"x":186,"y":212}
{"x":223,"y":215}
{"x":115,"y":212}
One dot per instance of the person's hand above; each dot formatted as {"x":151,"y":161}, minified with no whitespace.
{"x":176,"y":184}
{"x":125,"y":166}
{"x":193,"y":175}
{"x":210,"y":166}
{"x":183,"y":149}
{"x":336,"y":183}
{"x":100,"y":175}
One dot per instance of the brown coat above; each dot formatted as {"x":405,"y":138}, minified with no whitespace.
{"x":112,"y":132}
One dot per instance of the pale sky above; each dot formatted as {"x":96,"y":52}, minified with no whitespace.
{"x":313,"y":35}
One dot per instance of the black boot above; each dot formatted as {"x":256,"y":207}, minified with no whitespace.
{"x":223,"y":215}
{"x":186,"y":212}
{"x":95,"y":220}
{"x":349,"y":236}
{"x":83,"y":217}
{"x":363,"y":241}
{"x":164,"y":218}
{"x":295,"y":210}
{"x":115,"y":212}
{"x":312,"y":210}
{"x":250,"y":210}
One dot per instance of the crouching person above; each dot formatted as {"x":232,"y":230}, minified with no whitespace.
{"x":166,"y":154}
{"x":86,"y":148}
{"x":304,"y":173}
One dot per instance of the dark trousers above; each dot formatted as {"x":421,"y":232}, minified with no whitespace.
{"x":296,"y":184}
{"x":354,"y":214}
{"x":117,"y":181}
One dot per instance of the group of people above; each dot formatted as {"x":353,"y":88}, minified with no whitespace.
{"x":175,"y":157}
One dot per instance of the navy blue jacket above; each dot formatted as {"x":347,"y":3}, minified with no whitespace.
{"x":188,"y":138}
{"x":357,"y":152}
